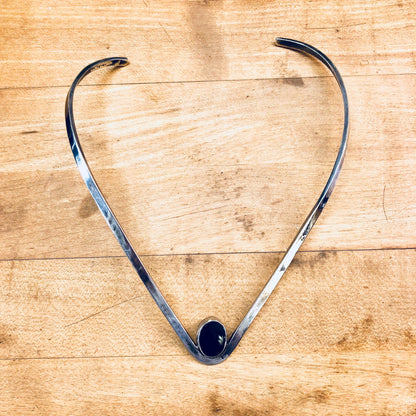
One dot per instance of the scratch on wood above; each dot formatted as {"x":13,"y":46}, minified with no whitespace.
{"x":167,"y":33}
{"x":195,"y":212}
{"x":337,"y":28}
{"x":384,"y":207}
{"x":102,"y":310}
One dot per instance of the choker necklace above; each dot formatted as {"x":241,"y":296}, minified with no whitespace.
{"x":212,"y":345}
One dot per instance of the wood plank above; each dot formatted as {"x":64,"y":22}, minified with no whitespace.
{"x":48,"y":45}
{"x":328,"y":302}
{"x":209,"y":167}
{"x":196,"y":145}
{"x":334,"y":384}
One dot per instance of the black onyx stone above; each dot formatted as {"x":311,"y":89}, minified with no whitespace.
{"x":212,"y":338}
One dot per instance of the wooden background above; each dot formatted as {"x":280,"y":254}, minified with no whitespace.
{"x":212,"y":146}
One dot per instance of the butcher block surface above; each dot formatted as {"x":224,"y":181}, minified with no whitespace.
{"x":211,"y":147}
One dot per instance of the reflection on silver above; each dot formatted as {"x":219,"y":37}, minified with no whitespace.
{"x":211,"y":332}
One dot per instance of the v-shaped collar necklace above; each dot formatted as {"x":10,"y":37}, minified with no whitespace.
{"x":212,"y":345}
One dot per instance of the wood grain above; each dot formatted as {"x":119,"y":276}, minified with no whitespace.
{"x":210,"y":167}
{"x":327,"y":302}
{"x":45,"y":44}
{"x":211,"y":146}
{"x":81,"y":336}
{"x":267,"y":384}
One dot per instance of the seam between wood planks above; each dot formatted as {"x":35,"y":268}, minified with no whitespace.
{"x":206,"y":81}
{"x":209,"y":254}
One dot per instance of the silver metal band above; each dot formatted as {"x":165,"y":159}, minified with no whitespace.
{"x":212,"y":346}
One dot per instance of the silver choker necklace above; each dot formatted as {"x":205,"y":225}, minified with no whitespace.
{"x":212,"y":346}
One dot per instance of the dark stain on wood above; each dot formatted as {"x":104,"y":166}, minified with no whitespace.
{"x":297,"y":261}
{"x":12,"y":215}
{"x":30,"y":132}
{"x":3,"y":339}
{"x":213,"y":399}
{"x":310,"y":259}
{"x":359,"y":335}
{"x":238,"y":191}
{"x":322,"y":255}
{"x":409,"y":336}
{"x":319,"y":396}
{"x":247,"y":221}
{"x":295,"y":82}
{"x":225,"y":406}
{"x":5,"y":336}
{"x":88,"y":207}
{"x":367,"y":322}
{"x":208,"y":38}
